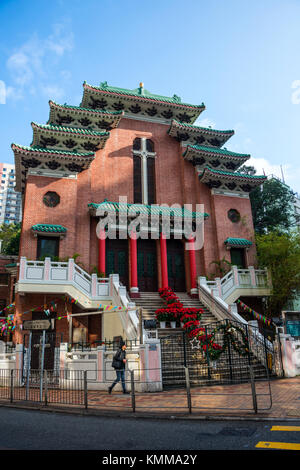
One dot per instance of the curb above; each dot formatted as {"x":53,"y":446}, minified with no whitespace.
{"x":92,"y":412}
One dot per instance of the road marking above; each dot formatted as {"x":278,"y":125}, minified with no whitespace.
{"x":278,"y":445}
{"x":285,"y":428}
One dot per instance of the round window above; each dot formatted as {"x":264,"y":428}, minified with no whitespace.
{"x":234,"y":215}
{"x":51,"y":199}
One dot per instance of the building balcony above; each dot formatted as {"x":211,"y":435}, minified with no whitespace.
{"x":51,"y":277}
{"x":89,"y":291}
{"x":240,"y":282}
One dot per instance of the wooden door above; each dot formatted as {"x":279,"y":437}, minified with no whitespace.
{"x":176,"y":268}
{"x":147,"y":265}
{"x":117,"y":259}
{"x":238,"y":257}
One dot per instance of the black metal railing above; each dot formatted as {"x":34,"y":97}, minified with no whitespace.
{"x":242,"y":346}
{"x":73,"y":388}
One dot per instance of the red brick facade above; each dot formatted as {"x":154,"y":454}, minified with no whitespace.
{"x":109,"y":176}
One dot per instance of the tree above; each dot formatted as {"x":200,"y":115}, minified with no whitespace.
{"x":272,"y":204}
{"x":272,"y":207}
{"x":280,"y":253}
{"x":10,"y":236}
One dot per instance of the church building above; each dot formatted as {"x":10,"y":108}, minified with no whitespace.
{"x":142,"y":148}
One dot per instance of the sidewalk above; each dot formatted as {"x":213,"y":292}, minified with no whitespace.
{"x":214,"y":402}
{"x":229,"y":400}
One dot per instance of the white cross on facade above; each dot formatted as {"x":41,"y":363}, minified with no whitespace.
{"x":144,"y":154}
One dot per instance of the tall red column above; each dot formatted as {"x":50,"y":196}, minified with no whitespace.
{"x":193,"y":272}
{"x":133,"y":266}
{"x":101,"y":252}
{"x":164,"y":261}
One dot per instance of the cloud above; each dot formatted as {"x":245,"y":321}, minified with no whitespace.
{"x":32,"y":62}
{"x":287,"y":173}
{"x":54,"y":91}
{"x":59,"y":42}
{"x":263,"y":166}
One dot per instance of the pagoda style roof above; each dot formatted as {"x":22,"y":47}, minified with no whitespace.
{"x":229,"y":180}
{"x":40,"y":159}
{"x":202,"y":155}
{"x":71,"y":138}
{"x":88,"y":118}
{"x":139,"y":102}
{"x":191,"y":134}
{"x":154,"y":209}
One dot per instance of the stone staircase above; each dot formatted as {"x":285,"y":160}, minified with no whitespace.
{"x":177,"y":350}
{"x":151,"y":301}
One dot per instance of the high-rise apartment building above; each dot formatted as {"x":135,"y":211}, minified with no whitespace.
{"x":10,"y":200}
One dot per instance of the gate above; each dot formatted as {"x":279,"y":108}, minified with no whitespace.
{"x":41,"y":352}
{"x":241,"y":346}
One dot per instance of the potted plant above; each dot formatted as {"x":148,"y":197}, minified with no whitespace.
{"x":162,"y":317}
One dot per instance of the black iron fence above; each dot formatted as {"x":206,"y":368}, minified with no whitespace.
{"x":74,"y":388}
{"x":222,"y":355}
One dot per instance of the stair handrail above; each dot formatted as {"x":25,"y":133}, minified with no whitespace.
{"x":216,"y":305}
{"x":121,"y":298}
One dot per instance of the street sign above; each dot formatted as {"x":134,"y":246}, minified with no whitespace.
{"x":36,"y":325}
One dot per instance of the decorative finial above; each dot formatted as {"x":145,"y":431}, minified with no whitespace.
{"x":141,"y":85}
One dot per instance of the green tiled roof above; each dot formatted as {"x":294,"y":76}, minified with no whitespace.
{"x":36,"y":148}
{"x":49,"y":228}
{"x":80,"y":108}
{"x":141,"y":92}
{"x":207,"y":148}
{"x":72,"y":130}
{"x":147,"y":209}
{"x":234,"y":173}
{"x":200,"y":128}
{"x":237,"y":242}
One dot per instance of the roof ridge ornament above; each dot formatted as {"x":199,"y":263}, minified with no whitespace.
{"x":176,"y":98}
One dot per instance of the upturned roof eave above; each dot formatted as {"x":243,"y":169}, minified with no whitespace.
{"x":130,"y":95}
{"x":41,"y":150}
{"x":214,"y":151}
{"x":198,"y":129}
{"x":69,"y":130}
{"x":221,"y":174}
{"x":113,"y":117}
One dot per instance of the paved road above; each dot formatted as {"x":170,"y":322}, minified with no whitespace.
{"x":35,"y":430}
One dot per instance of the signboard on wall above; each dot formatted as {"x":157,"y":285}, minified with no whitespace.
{"x":36,"y":325}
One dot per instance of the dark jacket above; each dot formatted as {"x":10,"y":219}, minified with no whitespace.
{"x":118,"y":359}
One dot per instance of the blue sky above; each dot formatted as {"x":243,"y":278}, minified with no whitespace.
{"x":241,"y":58}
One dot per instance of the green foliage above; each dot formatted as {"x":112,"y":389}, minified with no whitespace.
{"x":280,"y":253}
{"x":10,"y":236}
{"x":272,"y":207}
{"x":222,"y":268}
{"x":95,"y":270}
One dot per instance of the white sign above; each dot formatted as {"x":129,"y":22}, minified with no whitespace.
{"x":36,"y":324}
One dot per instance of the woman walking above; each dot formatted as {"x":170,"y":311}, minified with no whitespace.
{"x":118,"y":363}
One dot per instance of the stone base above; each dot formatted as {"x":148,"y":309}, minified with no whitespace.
{"x":134,"y":295}
{"x":134,"y":292}
{"x":194,"y":293}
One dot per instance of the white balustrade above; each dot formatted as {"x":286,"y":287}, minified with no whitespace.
{"x":238,"y":279}
{"x":62,"y":273}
